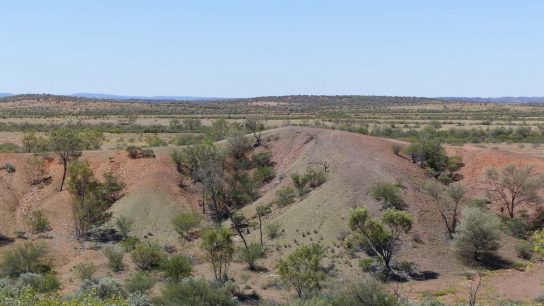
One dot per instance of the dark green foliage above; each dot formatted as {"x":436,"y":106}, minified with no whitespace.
{"x":25,"y":258}
{"x":177,"y":267}
{"x":139,"y":282}
{"x":110,"y":190}
{"x":195,"y":292}
{"x":388,"y":194}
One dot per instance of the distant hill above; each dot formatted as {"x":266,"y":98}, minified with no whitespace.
{"x":122,"y":97}
{"x":497,"y":99}
{"x":4,"y":94}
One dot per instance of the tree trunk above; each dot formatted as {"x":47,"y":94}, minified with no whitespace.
{"x":65,"y":166}
{"x":261,"y":229}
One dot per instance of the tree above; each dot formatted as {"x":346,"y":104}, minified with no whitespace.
{"x":184,"y":223}
{"x":478,"y":236}
{"x":30,"y":141}
{"x":428,"y":150}
{"x":382,"y":236}
{"x":514,"y":186}
{"x":217,"y":243}
{"x":66,"y":143}
{"x":255,"y":125}
{"x":124,"y":226}
{"x":388,"y":194}
{"x":88,"y":209}
{"x":36,"y":167}
{"x":448,"y":201}
{"x":262,"y":211}
{"x":302,"y":270}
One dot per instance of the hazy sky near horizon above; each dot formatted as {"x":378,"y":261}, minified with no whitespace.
{"x":235,"y":48}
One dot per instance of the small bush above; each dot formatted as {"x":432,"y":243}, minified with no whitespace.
{"x":366,"y":264}
{"x":124,"y":226}
{"x":250,"y":254}
{"x":146,"y":257}
{"x":315,"y":177}
{"x":515,"y":228}
{"x":41,"y":283}
{"x":130,"y":243}
{"x":26,"y":258}
{"x":139,"y":299}
{"x":184,"y":223}
{"x":524,"y":250}
{"x":103,"y":288}
{"x":396,"y":148}
{"x":177,"y":267}
{"x":38,"y":222}
{"x":139,"y":282}
{"x":264,"y":175}
{"x":115,"y":257}
{"x":85,"y":270}
{"x":263,"y":159}
{"x":10,"y":168}
{"x":194,"y":291}
{"x":273,"y":230}
{"x":285,"y":196}
{"x":388,"y":194}
{"x":301,"y":184}
{"x":478,"y":235}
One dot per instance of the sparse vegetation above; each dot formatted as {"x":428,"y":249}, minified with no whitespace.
{"x":301,"y":270}
{"x":388,"y":194}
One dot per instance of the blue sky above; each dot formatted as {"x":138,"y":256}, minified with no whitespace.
{"x":235,"y":48}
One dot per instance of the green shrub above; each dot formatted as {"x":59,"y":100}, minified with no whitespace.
{"x":396,"y":148}
{"x":388,"y":194}
{"x":368,"y":292}
{"x":301,"y":184}
{"x":155,"y":141}
{"x":102,"y":288}
{"x":139,"y":299}
{"x":263,"y":159}
{"x":524,"y":250}
{"x":42,"y":283}
{"x":264,"y":175}
{"x":366,"y":264}
{"x":139,"y":282}
{"x":124,"y":226}
{"x":184,"y":223}
{"x":515,"y":228}
{"x":38,"y":222}
{"x":10,"y":168}
{"x":478,"y":235}
{"x":194,"y":291}
{"x":26,"y":258}
{"x":146,"y":257}
{"x":115,"y":257}
{"x":130,"y":243}
{"x":315,"y":177}
{"x":177,"y":267}
{"x":273,"y":230}
{"x":85,"y":270}
{"x":250,"y":254}
{"x":285,"y":196}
